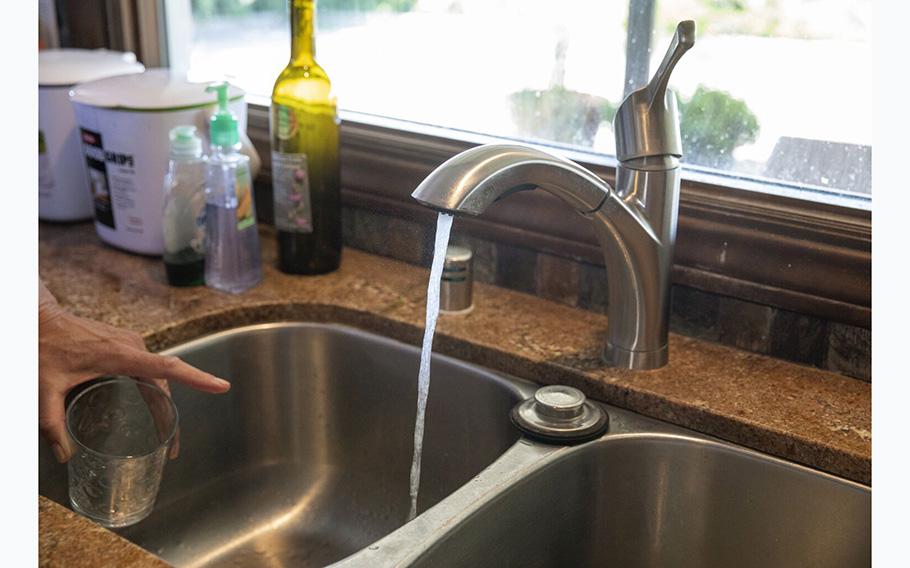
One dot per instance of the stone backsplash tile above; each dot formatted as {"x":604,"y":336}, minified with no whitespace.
{"x":744,"y":325}
{"x":516,"y":268}
{"x":593,"y":288}
{"x":799,"y":337}
{"x":849,"y":351}
{"x":384,"y":235}
{"x":557,"y":279}
{"x":347,"y":226}
{"x":695,"y":313}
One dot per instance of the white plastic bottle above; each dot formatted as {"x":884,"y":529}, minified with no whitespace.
{"x":183,"y":221}
{"x":232,"y":256}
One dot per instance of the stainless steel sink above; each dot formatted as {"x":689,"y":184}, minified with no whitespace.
{"x":645,"y":494}
{"x":305,"y":463}
{"x":306,"y":460}
{"x":664,"y":500}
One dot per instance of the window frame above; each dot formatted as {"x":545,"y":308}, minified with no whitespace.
{"x":815,"y":256}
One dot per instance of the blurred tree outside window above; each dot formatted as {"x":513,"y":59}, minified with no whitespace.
{"x":763,"y":95}
{"x":713,"y":124}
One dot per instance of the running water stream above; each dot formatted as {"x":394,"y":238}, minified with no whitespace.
{"x":443,"y":228}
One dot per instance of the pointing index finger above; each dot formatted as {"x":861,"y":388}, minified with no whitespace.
{"x":143,"y":364}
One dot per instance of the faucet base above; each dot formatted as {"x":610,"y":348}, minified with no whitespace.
{"x":638,"y":360}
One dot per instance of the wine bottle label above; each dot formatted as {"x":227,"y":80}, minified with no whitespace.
{"x":291,"y":187}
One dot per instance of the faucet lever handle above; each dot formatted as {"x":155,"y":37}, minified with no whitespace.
{"x":646,"y":123}
{"x":683,"y":40}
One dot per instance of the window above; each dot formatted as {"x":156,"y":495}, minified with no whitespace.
{"x":766,"y":96}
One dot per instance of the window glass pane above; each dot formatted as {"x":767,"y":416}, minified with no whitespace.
{"x":772,"y":88}
{"x":767,"y":93}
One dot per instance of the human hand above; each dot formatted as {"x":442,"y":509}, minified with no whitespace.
{"x":73,"y":350}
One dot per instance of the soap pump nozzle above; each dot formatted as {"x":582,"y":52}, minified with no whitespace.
{"x":223,"y":130}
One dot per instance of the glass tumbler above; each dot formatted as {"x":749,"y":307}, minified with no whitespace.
{"x":122,"y":430}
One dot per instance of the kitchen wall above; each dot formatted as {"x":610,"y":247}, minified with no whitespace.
{"x":784,"y":334}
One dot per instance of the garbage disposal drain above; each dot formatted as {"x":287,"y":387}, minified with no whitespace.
{"x":560,"y":414}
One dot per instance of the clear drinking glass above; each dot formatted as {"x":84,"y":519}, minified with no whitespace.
{"x":122,"y":430}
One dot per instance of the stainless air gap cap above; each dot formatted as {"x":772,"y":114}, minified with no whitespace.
{"x":456,"y":284}
{"x":560,"y":414}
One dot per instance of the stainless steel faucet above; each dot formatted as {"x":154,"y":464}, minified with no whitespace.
{"x":635,"y":224}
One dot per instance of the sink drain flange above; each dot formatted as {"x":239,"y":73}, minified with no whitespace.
{"x":560,"y":414}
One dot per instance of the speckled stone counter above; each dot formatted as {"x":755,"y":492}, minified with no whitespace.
{"x":67,"y":540}
{"x":798,"y":413}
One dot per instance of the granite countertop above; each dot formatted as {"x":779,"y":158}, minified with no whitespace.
{"x":68,"y":540}
{"x":799,"y":413}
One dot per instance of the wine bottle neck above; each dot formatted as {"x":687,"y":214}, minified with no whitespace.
{"x":303,"y":27}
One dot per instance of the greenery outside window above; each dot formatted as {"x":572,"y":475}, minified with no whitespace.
{"x":763,"y":95}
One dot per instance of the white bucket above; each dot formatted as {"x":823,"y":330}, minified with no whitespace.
{"x":124,"y":123}
{"x":63,"y":192}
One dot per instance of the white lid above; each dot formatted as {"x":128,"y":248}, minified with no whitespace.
{"x":64,"y":67}
{"x":158,"y":89}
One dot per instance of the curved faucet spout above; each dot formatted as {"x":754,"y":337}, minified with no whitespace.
{"x":635,"y":227}
{"x":635,"y":224}
{"x":471,"y":181}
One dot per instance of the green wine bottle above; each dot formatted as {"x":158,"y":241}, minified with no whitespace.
{"x":306,"y":176}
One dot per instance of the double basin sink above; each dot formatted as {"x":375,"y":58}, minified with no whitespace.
{"x":305,"y":462}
